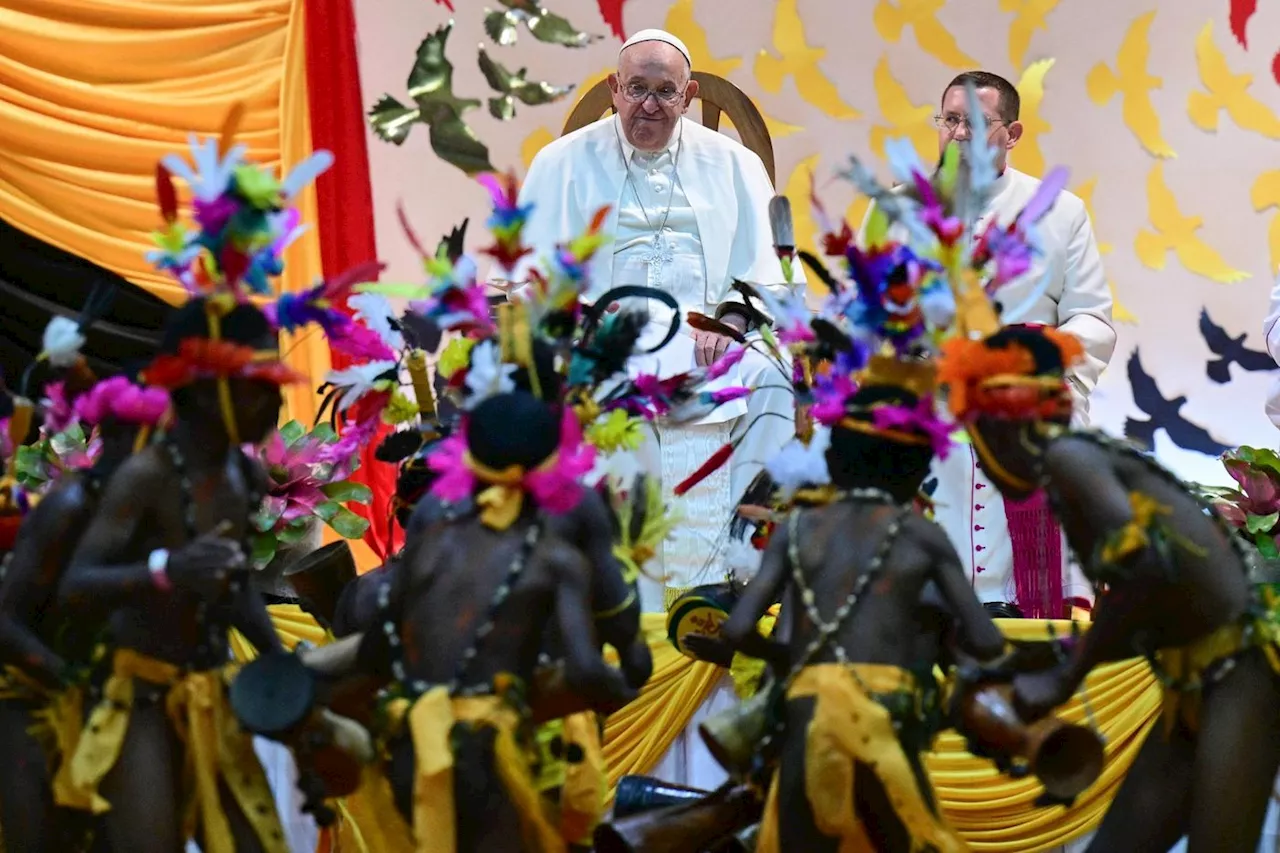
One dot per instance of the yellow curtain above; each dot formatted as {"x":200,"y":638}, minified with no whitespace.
{"x":637,"y":737}
{"x":993,"y":812}
{"x":94,"y":92}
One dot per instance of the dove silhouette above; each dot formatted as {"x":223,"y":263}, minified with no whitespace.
{"x":503,"y":25}
{"x":1230,"y":351}
{"x":800,"y":61}
{"x":1177,"y":233}
{"x":891,"y":19}
{"x":682,"y":24}
{"x":1028,"y":155}
{"x":1029,"y":16}
{"x":512,"y":87}
{"x":1227,"y":91}
{"x":1163,"y":413}
{"x":1134,"y":85}
{"x":435,"y":105}
{"x":905,"y":118}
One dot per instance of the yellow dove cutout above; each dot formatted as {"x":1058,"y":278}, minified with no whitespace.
{"x":1265,"y":194}
{"x":682,"y":24}
{"x":1027,"y":155}
{"x":1132,"y":82}
{"x":1177,"y":233}
{"x":906,"y":119}
{"x":797,"y":59}
{"x":1227,"y":91}
{"x":922,"y":16}
{"x":1119,"y":312}
{"x":1029,"y":16}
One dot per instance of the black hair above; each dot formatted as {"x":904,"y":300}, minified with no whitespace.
{"x":1047,"y":356}
{"x":513,"y":429}
{"x":857,"y":459}
{"x":1010,"y":103}
{"x":243,"y":325}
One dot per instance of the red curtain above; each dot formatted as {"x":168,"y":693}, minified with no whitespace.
{"x":345,"y":198}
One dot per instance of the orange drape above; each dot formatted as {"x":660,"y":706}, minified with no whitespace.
{"x":94,"y":92}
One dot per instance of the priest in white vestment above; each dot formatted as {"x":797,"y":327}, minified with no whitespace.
{"x":1014,"y":553}
{"x":688,"y":215}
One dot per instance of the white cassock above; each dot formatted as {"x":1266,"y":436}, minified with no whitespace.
{"x":1271,"y":328}
{"x":1077,"y":300}
{"x":687,"y":220}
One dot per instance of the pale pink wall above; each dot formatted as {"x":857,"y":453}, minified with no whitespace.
{"x":1211,"y":176}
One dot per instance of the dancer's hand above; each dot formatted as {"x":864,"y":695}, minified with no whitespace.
{"x":1036,"y":694}
{"x":206,"y":564}
{"x":710,"y":649}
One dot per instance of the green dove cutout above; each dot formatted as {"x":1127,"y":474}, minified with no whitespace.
{"x":435,"y":105}
{"x":512,"y":87}
{"x":503,"y":25}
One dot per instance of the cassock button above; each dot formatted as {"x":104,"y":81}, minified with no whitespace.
{"x":978,"y":507}
{"x":979,"y":485}
{"x":979,"y":527}
{"x":979,"y":569}
{"x":979,"y":547}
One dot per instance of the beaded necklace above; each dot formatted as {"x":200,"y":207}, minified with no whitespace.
{"x":826,"y":630}
{"x":390,"y":627}
{"x":214,"y":630}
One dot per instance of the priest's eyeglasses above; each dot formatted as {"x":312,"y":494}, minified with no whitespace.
{"x":636,"y":93}
{"x":952,"y":123}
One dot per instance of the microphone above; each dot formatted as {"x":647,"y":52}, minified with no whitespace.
{"x":784,"y":232}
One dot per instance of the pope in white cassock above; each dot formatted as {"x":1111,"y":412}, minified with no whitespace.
{"x":1015,"y":554}
{"x":688,"y":215}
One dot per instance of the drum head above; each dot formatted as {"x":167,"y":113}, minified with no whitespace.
{"x":701,"y":610}
{"x":273,"y":694}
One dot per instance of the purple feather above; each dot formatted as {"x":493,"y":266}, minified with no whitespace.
{"x":1046,"y":194}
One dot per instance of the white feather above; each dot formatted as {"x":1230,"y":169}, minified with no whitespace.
{"x":376,"y":312}
{"x":62,"y":342}
{"x":487,"y":376}
{"x":797,"y":466}
{"x":306,"y":172}
{"x":358,"y":380}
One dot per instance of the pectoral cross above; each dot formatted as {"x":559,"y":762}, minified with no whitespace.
{"x":659,"y":256}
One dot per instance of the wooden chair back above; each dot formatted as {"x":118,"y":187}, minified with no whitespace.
{"x":718,"y":97}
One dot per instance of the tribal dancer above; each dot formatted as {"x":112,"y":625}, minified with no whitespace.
{"x":1175,"y":589}
{"x":855,"y":715}
{"x":49,"y":648}
{"x":164,"y":559}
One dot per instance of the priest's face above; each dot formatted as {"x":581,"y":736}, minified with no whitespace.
{"x":953,"y":123}
{"x":651,"y":90}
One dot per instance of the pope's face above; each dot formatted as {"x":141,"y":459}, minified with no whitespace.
{"x":651,"y":90}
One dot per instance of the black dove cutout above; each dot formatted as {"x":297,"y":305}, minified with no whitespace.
{"x":1164,"y":414}
{"x":1230,"y":351}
